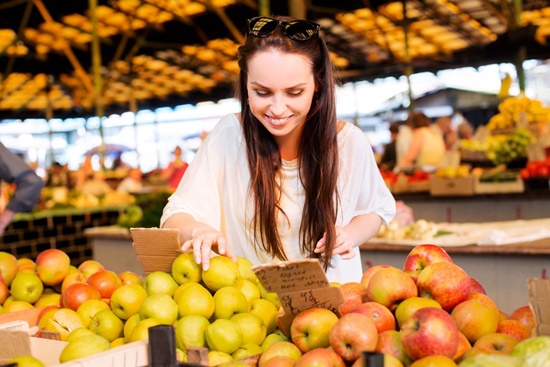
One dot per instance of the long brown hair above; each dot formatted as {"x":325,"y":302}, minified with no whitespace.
{"x":318,"y":151}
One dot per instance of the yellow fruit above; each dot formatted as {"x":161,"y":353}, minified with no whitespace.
{"x":83,"y":347}
{"x":64,"y":321}
{"x":223,"y":272}
{"x":26,"y":361}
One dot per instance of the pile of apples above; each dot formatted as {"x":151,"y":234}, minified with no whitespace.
{"x":429,"y":313}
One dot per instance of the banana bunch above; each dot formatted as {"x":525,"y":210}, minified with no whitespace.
{"x":514,"y":111}
{"x":506,"y":148}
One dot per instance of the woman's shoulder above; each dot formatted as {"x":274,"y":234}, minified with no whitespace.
{"x":348,"y":131}
{"x":227,"y":126}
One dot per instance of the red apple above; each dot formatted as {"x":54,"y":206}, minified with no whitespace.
{"x":431,"y":361}
{"x":423,"y":255}
{"x":381,"y":315}
{"x":405,"y":309}
{"x":495,"y":343}
{"x":390,"y":286}
{"x":129,"y":277}
{"x":105,"y":281}
{"x":463,"y":346}
{"x":76,"y":277}
{"x":4,"y":290}
{"x":352,"y":334}
{"x":89,"y":267}
{"x":365,"y":279}
{"x":476,"y":286}
{"x":52,"y":266}
{"x":310,"y":328}
{"x":320,"y":357}
{"x":77,"y":293}
{"x":513,"y":328}
{"x":475,"y":319}
{"x":430,"y":331}
{"x":444,"y":282}
{"x":354,"y":294}
{"x":525,"y":315}
{"x":389,"y":343}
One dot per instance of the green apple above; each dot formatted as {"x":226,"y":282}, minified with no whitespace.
{"x":26,"y":361}
{"x":26,"y":287}
{"x":249,"y":289}
{"x":89,"y":308}
{"x":127,"y":299}
{"x":223,"y":272}
{"x":159,"y":282}
{"x":107,"y":324}
{"x":195,"y":299}
{"x":161,"y":307}
{"x":252,"y":327}
{"x":247,"y":350}
{"x":129,"y":326}
{"x":185,"y":269}
{"x":141,"y":330}
{"x":8,"y":267}
{"x":272,"y":338}
{"x":190,"y":332}
{"x":267,"y":312}
{"x":179,"y":290}
{"x":245,"y":269}
{"x":77,"y":333}
{"x":83,"y":347}
{"x":229,"y":301}
{"x":269,"y":296}
{"x":224,"y":336}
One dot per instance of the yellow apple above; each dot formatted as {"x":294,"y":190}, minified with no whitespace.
{"x":272,"y":338}
{"x":195,"y":300}
{"x":8,"y":267}
{"x":26,"y":361}
{"x":160,"y":282}
{"x":90,"y":267}
{"x":118,"y":342}
{"x":217,"y":358}
{"x":106,"y":324}
{"x":245,"y":269}
{"x":223,"y":272}
{"x":190,"y":332}
{"x":180,"y":289}
{"x":129,"y":326}
{"x":26,"y":287}
{"x":224,"y":336}
{"x":48,"y":299}
{"x":249,"y":289}
{"x":229,"y":301}
{"x":83,"y":347}
{"x":185,"y":269}
{"x":267,"y":312}
{"x":77,"y":333}
{"x":141,"y":330}
{"x":252,"y":327}
{"x":161,"y":307}
{"x":247,"y":350}
{"x":280,"y":349}
{"x":127,"y":299}
{"x":89,"y":308}
{"x":63,"y":321}
{"x":432,"y":361}
{"x":15,"y":306}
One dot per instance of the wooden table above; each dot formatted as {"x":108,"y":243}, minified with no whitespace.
{"x":503,"y":270}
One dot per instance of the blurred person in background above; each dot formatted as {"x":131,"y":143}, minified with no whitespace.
{"x":175,"y":170}
{"x":97,"y":186}
{"x":131,"y":184}
{"x":403,"y":139}
{"x":427,"y":147}
{"x":443,"y":126}
{"x":28,"y":186}
{"x":58,"y":176}
{"x":389,"y":155}
{"x":84,"y":173}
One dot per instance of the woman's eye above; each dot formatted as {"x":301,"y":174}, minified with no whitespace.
{"x":261,"y":93}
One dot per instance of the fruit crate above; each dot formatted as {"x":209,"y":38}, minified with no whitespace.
{"x":537,"y":184}
{"x":458,"y":186}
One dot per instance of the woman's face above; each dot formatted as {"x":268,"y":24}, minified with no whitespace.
{"x":280,"y":90}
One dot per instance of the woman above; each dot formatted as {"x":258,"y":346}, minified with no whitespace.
{"x":284,"y":180}
{"x":175,"y":170}
{"x":427,"y":147}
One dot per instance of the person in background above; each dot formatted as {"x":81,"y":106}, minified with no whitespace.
{"x":58,"y":176}
{"x":175,"y":170}
{"x":84,"y":173}
{"x":97,"y":186}
{"x":131,"y":184}
{"x":28,"y":186}
{"x":284,"y":179}
{"x":444,"y":128}
{"x":427,"y":146}
{"x":389,"y":156}
{"x":403,"y":139}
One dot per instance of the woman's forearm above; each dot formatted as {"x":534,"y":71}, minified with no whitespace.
{"x":363,"y":227}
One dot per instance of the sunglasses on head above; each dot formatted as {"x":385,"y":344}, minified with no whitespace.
{"x":297,"y":30}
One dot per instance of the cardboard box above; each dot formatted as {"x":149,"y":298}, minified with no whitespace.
{"x":539,"y":301}
{"x":300,"y":285}
{"x":499,"y":187}
{"x":156,"y":248}
{"x":458,"y":186}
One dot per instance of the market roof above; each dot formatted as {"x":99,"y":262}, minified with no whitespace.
{"x":169,"y":52}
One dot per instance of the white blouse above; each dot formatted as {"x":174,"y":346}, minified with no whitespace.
{"x":214,"y":190}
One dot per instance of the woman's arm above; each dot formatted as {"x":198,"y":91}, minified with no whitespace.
{"x":199,"y":237}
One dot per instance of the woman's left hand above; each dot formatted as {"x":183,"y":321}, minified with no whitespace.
{"x":344,"y":245}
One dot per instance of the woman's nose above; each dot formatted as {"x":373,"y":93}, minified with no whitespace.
{"x":278,"y":106}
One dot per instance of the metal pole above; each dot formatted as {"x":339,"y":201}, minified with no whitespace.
{"x":408,"y":66}
{"x":521,"y":52}
{"x":98,"y":81}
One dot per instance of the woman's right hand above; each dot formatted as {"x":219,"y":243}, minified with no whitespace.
{"x":205,"y":240}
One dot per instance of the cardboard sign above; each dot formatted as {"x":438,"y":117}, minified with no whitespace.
{"x":300,"y":285}
{"x":156,"y":248}
{"x":539,"y":301}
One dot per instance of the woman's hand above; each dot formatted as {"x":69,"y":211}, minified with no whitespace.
{"x":344,"y":245}
{"x":204,"y":240}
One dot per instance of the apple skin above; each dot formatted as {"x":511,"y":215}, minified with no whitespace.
{"x":89,"y":267}
{"x":446,"y":283}
{"x":8,"y":267}
{"x":52,"y":266}
{"x":105,"y":281}
{"x":475,"y":319}
{"x":310,"y":328}
{"x":513,"y":328}
{"x":486,"y":300}
{"x":129,"y":277}
{"x":432,"y":361}
{"x":389,"y":343}
{"x":495,"y":343}
{"x":367,"y":275}
{"x":280,"y":361}
{"x":463,"y":346}
{"x":160,"y":282}
{"x":423,"y":255}
{"x":26,"y":287}
{"x":77,"y":277}
{"x":382,"y":317}
{"x":279,"y":349}
{"x":353,"y":334}
{"x":127,"y":299}
{"x":4,"y":290}
{"x":476,"y":286}
{"x":89,"y":308}
{"x":185,"y":269}
{"x":160,"y":307}
{"x":525,"y":315}
{"x":106,"y":324}
{"x":390,"y":286}
{"x":405,"y":309}
{"x":430,"y":331}
{"x":320,"y":357}
{"x":354,"y":294}
{"x":78,"y":293}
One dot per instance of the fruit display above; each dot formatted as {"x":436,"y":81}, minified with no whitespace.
{"x":504,"y":148}
{"x":430,"y":312}
{"x":518,"y":111}
{"x":421,"y":229}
